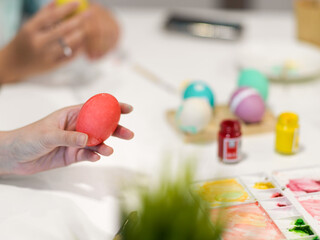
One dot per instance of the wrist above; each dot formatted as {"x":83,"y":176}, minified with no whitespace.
{"x":6,"y":161}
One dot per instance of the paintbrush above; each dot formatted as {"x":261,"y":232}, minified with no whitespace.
{"x":147,"y":74}
{"x":132,"y":220}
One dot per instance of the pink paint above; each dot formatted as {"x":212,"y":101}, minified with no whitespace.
{"x":276,"y":195}
{"x":312,"y":206}
{"x":281,"y":205}
{"x":248,"y":221}
{"x":305,"y":185}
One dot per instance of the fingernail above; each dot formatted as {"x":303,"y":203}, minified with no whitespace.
{"x":130,"y":108}
{"x":82,"y":140}
{"x":130,"y":135}
{"x":110,"y":152}
{"x":127,"y":135}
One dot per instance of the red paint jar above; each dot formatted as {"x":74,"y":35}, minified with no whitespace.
{"x":229,"y":146}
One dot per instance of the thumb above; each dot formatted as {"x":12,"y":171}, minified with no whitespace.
{"x":71,"y":139}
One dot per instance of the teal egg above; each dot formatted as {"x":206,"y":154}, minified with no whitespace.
{"x":254,"y":79}
{"x":199,"y":89}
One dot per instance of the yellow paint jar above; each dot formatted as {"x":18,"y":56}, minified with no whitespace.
{"x":287,"y":133}
{"x":83,"y":4}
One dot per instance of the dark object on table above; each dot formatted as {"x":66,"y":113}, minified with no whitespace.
{"x":203,"y":28}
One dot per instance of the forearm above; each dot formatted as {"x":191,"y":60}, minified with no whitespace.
{"x":8,"y":73}
{"x":17,"y":147}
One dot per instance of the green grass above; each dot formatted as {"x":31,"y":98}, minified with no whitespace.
{"x":170,"y":212}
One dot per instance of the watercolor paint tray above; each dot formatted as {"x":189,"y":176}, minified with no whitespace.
{"x":257,"y":208}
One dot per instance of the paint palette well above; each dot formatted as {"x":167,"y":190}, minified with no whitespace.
{"x":294,"y":228}
{"x":300,"y":181}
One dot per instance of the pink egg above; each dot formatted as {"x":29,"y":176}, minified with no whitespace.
{"x":247,"y":104}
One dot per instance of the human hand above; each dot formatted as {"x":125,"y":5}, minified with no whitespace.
{"x":102,"y":32}
{"x":52,"y":142}
{"x":36,"y":47}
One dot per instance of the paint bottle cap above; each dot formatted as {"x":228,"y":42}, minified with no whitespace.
{"x":230,"y":127}
{"x":288,"y":119}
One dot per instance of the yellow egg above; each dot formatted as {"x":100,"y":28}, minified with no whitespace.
{"x":82,"y":6}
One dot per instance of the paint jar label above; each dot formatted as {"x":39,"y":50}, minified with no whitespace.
{"x":295,"y":142}
{"x":231,"y":150}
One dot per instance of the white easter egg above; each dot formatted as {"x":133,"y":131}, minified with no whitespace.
{"x":194,"y":115}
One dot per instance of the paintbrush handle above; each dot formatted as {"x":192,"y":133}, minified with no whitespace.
{"x":131,"y":219}
{"x":117,"y":237}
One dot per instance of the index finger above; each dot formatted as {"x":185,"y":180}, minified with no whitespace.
{"x":53,"y":14}
{"x":64,"y":28}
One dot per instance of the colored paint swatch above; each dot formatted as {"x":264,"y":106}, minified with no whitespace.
{"x":268,"y":194}
{"x":249,"y":221}
{"x":225,"y":191}
{"x":294,"y":228}
{"x":263,"y":185}
{"x":312,"y":205}
{"x":300,"y":181}
{"x":304,"y":185}
{"x":275,"y":203}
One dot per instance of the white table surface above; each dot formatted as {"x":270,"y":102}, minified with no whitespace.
{"x":94,"y":187}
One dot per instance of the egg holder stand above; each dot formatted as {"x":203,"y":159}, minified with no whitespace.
{"x":220,"y":113}
{"x":281,"y":216}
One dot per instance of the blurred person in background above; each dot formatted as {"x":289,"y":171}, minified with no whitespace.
{"x":51,"y":37}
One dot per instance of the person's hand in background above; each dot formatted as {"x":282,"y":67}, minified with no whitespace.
{"x":102,"y":32}
{"x":37,"y":46}
{"x":52,"y":142}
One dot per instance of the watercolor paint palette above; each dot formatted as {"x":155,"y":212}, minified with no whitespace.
{"x":257,"y":208}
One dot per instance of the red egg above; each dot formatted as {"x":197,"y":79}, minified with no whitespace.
{"x":99,"y":118}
